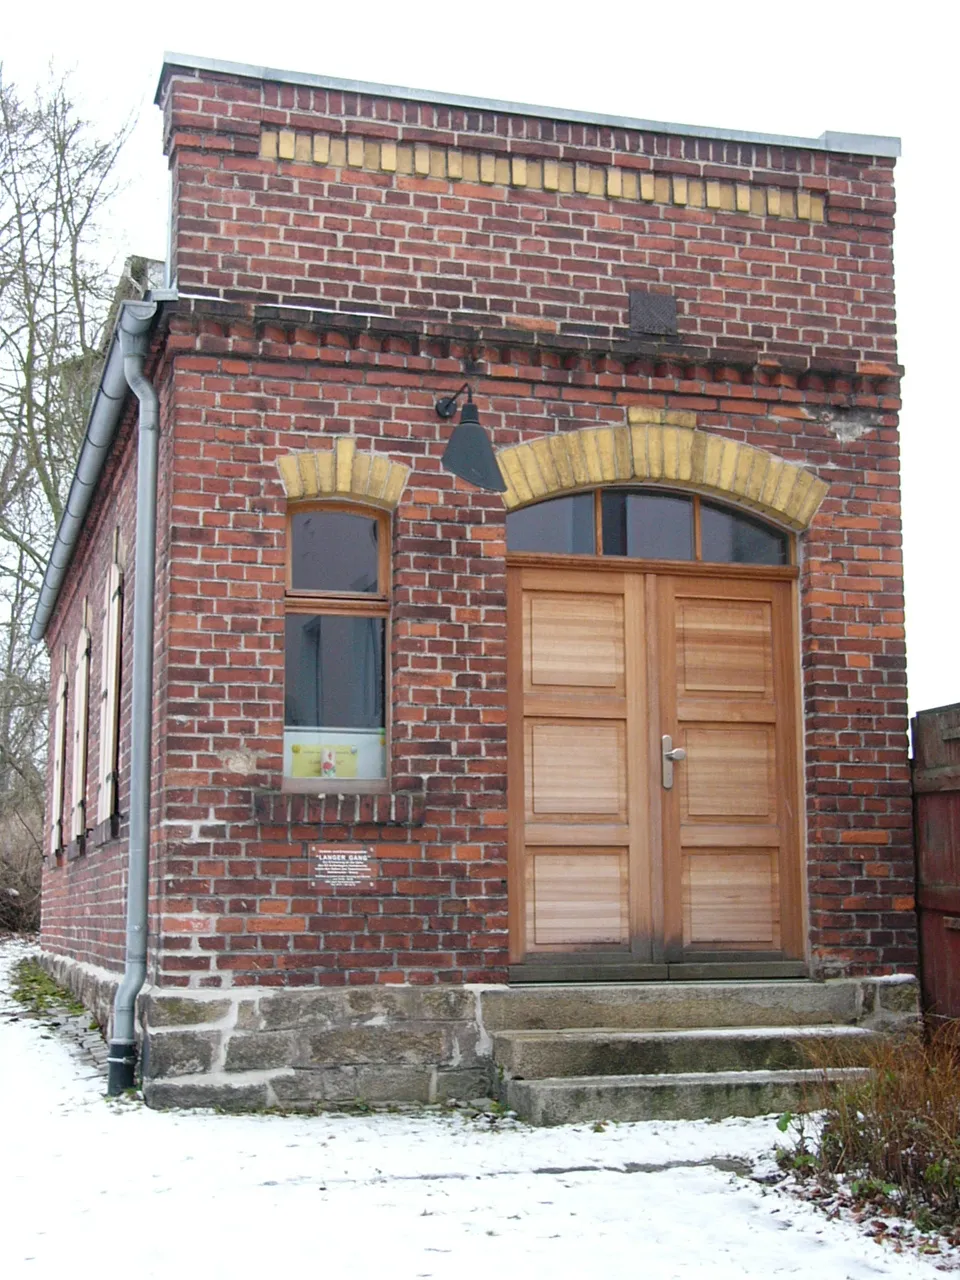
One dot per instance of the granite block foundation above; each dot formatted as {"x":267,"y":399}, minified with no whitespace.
{"x":308,"y":1048}
{"x":406,"y":1046}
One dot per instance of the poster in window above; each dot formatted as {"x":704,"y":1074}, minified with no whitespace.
{"x":332,"y":755}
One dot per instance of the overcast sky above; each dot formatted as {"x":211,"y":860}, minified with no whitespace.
{"x":773,"y":68}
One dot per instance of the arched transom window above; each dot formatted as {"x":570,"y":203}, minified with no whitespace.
{"x":646,"y":524}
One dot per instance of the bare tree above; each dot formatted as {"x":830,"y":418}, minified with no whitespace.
{"x":56,"y":179}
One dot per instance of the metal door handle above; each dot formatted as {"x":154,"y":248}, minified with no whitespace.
{"x":670,"y":754}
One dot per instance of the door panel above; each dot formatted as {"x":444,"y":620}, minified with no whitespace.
{"x":724,"y":647}
{"x":605,"y":861}
{"x":577,"y":768}
{"x":730,"y":898}
{"x":579,"y":899}
{"x":718,"y":752}
{"x":573,"y":641}
{"x":579,"y":795}
{"x":731,"y":861}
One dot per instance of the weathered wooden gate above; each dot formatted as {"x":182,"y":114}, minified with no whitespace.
{"x":936,"y":814}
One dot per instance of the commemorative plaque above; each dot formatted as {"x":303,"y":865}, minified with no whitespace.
{"x":343,"y":867}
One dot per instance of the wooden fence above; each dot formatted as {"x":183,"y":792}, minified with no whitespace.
{"x":936,"y":815}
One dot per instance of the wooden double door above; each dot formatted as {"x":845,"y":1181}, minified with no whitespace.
{"x":653,"y":788}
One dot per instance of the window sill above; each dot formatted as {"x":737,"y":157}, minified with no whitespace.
{"x":328,"y":807}
{"x":93,"y":838}
{"x":75,"y":849}
{"x":104,"y":832}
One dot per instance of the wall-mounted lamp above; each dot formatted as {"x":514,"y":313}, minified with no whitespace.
{"x":469,"y":453}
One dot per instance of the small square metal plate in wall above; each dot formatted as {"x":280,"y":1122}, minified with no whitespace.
{"x":653,"y":313}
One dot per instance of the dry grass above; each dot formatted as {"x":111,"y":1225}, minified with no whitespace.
{"x":894,"y":1134}
{"x":21,"y":869}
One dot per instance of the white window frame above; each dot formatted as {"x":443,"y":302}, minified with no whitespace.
{"x":108,"y":789}
{"x":81,"y":726}
{"x":59,"y":761}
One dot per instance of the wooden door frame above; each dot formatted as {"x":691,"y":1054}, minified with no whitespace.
{"x":647,"y":654}
{"x":515,"y":765}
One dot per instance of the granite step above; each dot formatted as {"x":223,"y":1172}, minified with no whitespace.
{"x":609,"y":1052}
{"x":649,"y":1005}
{"x":694,"y":1095}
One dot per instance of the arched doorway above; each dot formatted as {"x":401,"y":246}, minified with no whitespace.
{"x":654,"y":790}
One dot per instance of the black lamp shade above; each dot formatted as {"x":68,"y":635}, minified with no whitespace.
{"x":469,"y":453}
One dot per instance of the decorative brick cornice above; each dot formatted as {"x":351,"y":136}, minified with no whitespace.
{"x":341,"y":470}
{"x":662,"y":447}
{"x":229,"y":327}
{"x":568,"y":177}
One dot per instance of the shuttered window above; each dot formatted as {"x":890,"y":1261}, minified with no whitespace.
{"x":81,"y":686}
{"x":107,"y":802}
{"x":59,"y":761}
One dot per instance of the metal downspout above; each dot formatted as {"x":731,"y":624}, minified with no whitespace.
{"x":134,"y":345}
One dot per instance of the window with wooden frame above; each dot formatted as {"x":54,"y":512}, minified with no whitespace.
{"x":81,"y":725}
{"x":108,"y":791}
{"x":336,"y":646}
{"x":647,"y":524}
{"x":59,"y":761}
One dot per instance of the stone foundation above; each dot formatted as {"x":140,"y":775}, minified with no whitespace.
{"x":249,"y":1048}
{"x":308,"y":1047}
{"x":95,"y":988}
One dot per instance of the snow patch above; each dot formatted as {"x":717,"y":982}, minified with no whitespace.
{"x":436,"y":1196}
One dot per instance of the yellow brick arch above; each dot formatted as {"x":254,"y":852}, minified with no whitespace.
{"x":341,"y":470}
{"x":662,"y":452}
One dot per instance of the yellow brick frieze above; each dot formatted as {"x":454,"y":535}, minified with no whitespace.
{"x":589,"y":179}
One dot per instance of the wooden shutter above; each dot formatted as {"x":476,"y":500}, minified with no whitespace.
{"x":59,"y":759}
{"x":81,"y":724}
{"x":110,"y":694}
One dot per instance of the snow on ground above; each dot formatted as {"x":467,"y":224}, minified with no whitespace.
{"x":89,"y":1185}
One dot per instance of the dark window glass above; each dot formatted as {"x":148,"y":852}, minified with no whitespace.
{"x":334,"y":551}
{"x":729,"y":538}
{"x":334,"y":671}
{"x":563,"y":525}
{"x":651,"y":526}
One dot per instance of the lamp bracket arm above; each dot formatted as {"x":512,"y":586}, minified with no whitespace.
{"x":447,"y":407}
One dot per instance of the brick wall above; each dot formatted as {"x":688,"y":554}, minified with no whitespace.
{"x":84,"y":887}
{"x":444,"y":216}
{"x":334,"y":288}
{"x":439,"y":915}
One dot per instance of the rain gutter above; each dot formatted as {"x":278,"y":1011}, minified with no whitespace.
{"x":102,"y":426}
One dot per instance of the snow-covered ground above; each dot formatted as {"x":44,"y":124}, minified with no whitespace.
{"x":90,"y":1186}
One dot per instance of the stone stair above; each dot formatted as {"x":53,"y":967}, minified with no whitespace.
{"x":679,"y":1051}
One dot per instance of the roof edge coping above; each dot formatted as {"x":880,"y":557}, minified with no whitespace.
{"x":867,"y":144}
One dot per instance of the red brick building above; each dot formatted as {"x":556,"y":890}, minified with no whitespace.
{"x":411,"y":738}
